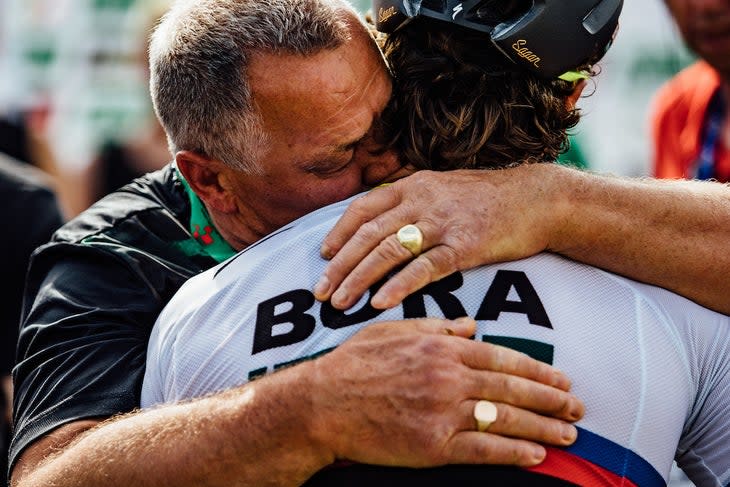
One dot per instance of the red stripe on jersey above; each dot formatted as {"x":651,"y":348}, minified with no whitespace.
{"x":566,"y":466}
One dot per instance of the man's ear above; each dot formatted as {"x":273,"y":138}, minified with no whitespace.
{"x":205,"y":177}
{"x":572,"y":100}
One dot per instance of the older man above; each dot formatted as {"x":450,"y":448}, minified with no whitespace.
{"x":94,"y":293}
{"x":668,"y":357}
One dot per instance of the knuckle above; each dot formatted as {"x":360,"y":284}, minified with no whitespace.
{"x":422,"y":180}
{"x":459,"y":239}
{"x":437,"y":438}
{"x":496,"y":356}
{"x":358,"y":209}
{"x":513,"y":361}
{"x":448,"y":259}
{"x":531,"y":366}
{"x":553,"y":430}
{"x":438,"y":379}
{"x":336,"y":265}
{"x":518,"y":456}
{"x":507,"y":416}
{"x":560,"y":404}
{"x":433,"y":348}
{"x":421,"y":176}
{"x":390,"y":250}
{"x":421,"y":269}
{"x":508,"y":388}
{"x":371,"y":230}
{"x":486,"y":450}
{"x":553,"y":400}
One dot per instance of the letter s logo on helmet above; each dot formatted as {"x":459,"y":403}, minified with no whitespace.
{"x":563,"y":34}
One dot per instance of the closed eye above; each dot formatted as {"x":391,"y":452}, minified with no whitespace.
{"x":332,"y":166}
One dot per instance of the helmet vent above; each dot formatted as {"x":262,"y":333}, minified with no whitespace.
{"x":435,"y":5}
{"x":599,"y":16}
{"x":493,"y":12}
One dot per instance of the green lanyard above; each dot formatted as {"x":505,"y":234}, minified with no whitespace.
{"x":202,"y":229}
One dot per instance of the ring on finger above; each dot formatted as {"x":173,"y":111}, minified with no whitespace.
{"x":485,"y":413}
{"x":411,"y":237}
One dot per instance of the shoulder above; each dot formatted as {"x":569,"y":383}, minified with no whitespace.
{"x":137,"y":238}
{"x":19,"y":176}
{"x":157,"y":194}
{"x":30,"y":204}
{"x":23,"y":184}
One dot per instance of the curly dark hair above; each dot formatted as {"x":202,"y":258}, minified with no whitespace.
{"x":459,"y":103}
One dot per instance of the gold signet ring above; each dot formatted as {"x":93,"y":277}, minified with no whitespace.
{"x":411,"y":237}
{"x":485,"y":414}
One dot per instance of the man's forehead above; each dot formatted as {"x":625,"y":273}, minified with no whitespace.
{"x":335,"y":71}
{"x":334,"y":90}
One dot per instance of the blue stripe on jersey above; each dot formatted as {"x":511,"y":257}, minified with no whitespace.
{"x":615,"y":458}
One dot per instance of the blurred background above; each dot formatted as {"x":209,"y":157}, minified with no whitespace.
{"x":73,"y":93}
{"x":74,"y":101}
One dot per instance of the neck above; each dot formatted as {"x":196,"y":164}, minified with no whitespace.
{"x":237,"y":235}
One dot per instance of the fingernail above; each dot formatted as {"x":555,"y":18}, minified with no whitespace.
{"x":322,"y":288}
{"x":339,"y":299}
{"x":326,"y":252}
{"x":576,"y":412}
{"x":538,"y":454}
{"x":378,"y":302}
{"x":569,"y":434}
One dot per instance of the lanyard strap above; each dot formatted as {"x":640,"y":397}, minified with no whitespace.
{"x":705,"y":165}
{"x":202,"y":229}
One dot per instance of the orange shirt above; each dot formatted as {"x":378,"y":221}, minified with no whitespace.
{"x":680,"y":109}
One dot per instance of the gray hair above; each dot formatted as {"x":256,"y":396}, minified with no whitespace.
{"x":199,"y":55}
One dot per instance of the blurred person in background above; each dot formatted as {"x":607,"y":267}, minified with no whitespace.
{"x":30,"y":214}
{"x":120,"y":162}
{"x":691,"y":120}
{"x":14,"y":137}
{"x":144,"y":150}
{"x":77,"y":78}
{"x":23,"y":138}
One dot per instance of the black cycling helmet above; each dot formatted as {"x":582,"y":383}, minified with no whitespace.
{"x":547,"y":37}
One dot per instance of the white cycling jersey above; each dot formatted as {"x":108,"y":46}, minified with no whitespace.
{"x":653,"y":368}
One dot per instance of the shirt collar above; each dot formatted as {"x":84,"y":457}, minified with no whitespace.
{"x":202,"y":229}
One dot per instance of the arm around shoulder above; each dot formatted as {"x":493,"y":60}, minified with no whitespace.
{"x":670,"y":233}
{"x":255,"y":435}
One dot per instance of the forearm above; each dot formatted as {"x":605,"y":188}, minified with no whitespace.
{"x":256,"y":435}
{"x":674,"y":234}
